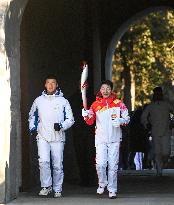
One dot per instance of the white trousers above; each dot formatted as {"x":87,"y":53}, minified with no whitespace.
{"x":138,"y":160}
{"x":107,"y":155}
{"x":56,"y":150}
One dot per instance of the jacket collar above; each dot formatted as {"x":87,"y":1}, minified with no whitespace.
{"x":109,"y":100}
{"x":58,"y":93}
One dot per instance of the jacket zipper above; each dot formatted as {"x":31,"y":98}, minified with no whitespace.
{"x":107,"y":104}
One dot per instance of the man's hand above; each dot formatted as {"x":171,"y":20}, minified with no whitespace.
{"x":57,"y":127}
{"x":33,"y":133}
{"x":85,"y":113}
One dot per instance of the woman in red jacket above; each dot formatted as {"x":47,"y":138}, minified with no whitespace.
{"x":109,"y":113}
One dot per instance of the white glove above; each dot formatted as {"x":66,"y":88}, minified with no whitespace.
{"x":85,"y":113}
{"x":117,"y":122}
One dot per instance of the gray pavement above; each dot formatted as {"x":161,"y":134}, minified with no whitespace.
{"x":135,"y":188}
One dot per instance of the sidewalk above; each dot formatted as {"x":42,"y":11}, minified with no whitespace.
{"x":135,"y":188}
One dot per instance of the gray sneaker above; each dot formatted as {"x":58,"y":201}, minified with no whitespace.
{"x":45,"y":191}
{"x":57,"y":194}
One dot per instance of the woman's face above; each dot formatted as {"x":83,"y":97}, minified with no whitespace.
{"x":105,"y":90}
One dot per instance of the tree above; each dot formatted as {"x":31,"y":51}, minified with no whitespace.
{"x":144,"y":58}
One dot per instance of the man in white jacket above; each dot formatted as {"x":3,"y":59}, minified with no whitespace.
{"x":109,"y":113}
{"x":49,"y":117}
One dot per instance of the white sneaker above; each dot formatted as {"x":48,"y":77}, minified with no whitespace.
{"x":57,"y":194}
{"x":100,"y":190}
{"x":112,"y":195}
{"x":45,"y":191}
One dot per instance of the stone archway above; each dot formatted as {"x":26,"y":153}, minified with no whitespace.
{"x":49,"y":44}
{"x":120,"y":32}
{"x":129,"y":91}
{"x":11,"y":14}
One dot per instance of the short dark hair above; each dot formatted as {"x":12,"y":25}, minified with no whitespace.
{"x":157,"y":90}
{"x":157,"y":94}
{"x":107,"y":82}
{"x":51,"y":76}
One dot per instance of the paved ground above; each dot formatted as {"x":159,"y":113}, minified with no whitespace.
{"x":135,"y":188}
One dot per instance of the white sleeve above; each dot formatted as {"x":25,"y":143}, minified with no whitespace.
{"x":124,"y":116}
{"x":33,"y":117}
{"x":68,"y":117}
{"x":124,"y":120}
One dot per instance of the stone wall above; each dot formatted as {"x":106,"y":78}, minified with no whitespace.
{"x":10,"y":144}
{"x":4,"y":105}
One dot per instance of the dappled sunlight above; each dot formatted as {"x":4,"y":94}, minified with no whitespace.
{"x":143,"y":59}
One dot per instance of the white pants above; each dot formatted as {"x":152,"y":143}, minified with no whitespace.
{"x":107,"y":155}
{"x":138,"y":160}
{"x":56,"y":150}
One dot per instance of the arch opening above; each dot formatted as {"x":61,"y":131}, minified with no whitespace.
{"x":142,"y":60}
{"x":53,"y":40}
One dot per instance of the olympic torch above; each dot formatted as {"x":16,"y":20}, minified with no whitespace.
{"x":84,"y":83}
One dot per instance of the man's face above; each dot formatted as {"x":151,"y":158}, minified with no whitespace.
{"x":105,"y":91}
{"x":51,"y":85}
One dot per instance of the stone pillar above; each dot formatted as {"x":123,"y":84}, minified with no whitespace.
{"x":10,"y":125}
{"x":96,"y":47}
{"x":5,"y":113}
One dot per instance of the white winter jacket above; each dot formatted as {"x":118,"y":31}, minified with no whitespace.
{"x":47,"y":110}
{"x":101,"y":112}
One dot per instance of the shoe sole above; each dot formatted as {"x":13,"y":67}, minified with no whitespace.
{"x":113,"y":197}
{"x":57,"y":196}
{"x":45,"y":194}
{"x":100,"y":193}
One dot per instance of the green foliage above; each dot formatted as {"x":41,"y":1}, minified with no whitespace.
{"x":147,"y":48}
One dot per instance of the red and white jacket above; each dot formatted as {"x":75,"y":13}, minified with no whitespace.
{"x":101,"y":112}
